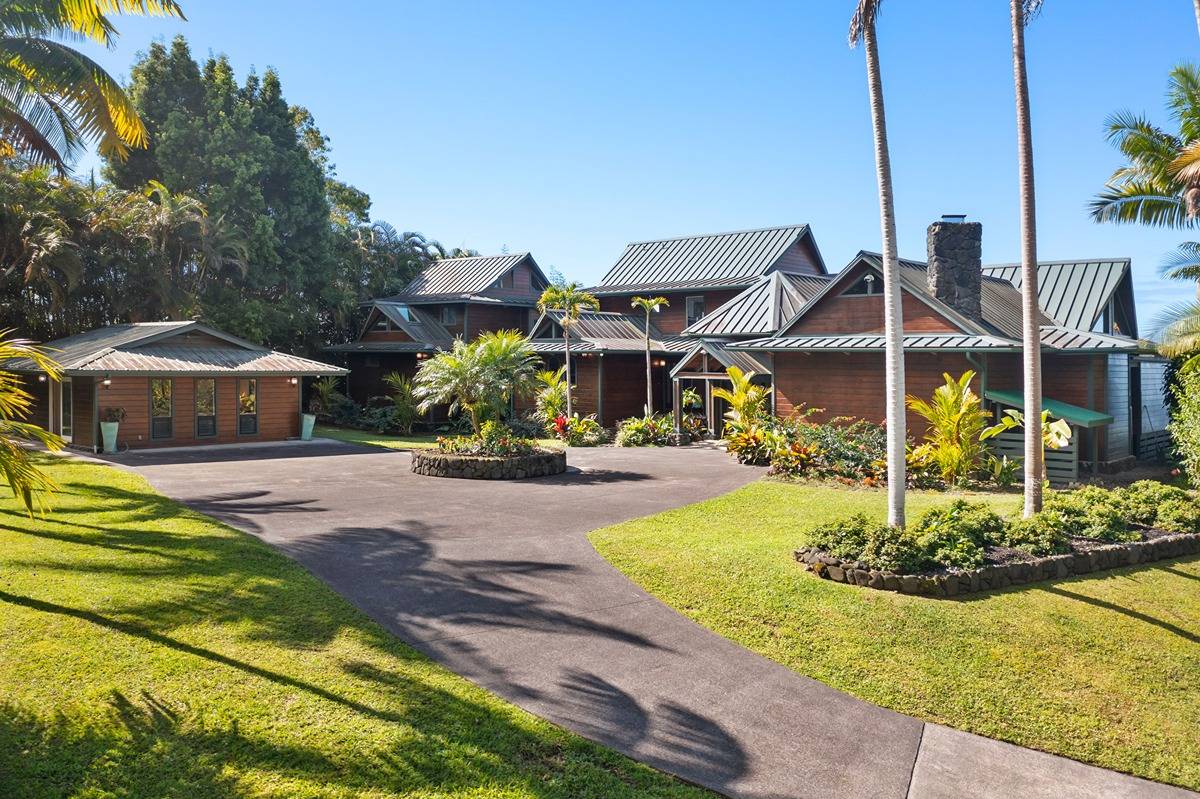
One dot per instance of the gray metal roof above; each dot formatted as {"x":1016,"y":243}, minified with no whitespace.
{"x":762,"y":308}
{"x":1065,"y":338}
{"x":732,"y":259}
{"x":382,"y":346}
{"x":420,"y":325}
{"x":149,"y":348}
{"x":724,"y":356}
{"x":607,"y":331}
{"x":940,"y":342}
{"x":1072,"y":293}
{"x":452,"y":278}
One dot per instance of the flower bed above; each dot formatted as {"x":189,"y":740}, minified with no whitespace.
{"x":1086,"y":557}
{"x":486,"y":467}
{"x":968,"y":547}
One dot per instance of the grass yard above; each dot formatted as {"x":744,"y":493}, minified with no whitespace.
{"x":149,"y":651}
{"x":415,"y":441}
{"x":1104,"y":669}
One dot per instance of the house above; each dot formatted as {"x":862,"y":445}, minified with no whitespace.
{"x":959,"y":315}
{"x":698,"y":275}
{"x":179,"y":383}
{"x":451,"y":298}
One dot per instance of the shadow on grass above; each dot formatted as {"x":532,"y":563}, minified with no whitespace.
{"x":1133,"y":614}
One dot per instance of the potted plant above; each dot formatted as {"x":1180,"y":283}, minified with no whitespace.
{"x":110,"y":420}
{"x":309,"y":420}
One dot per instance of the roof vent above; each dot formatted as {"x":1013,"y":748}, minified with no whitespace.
{"x":954,"y":219}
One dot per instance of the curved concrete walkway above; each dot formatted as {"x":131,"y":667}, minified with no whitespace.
{"x":498,"y":582}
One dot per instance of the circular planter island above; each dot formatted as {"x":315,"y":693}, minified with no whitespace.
{"x":481,"y":467}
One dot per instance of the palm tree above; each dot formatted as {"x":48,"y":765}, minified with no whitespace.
{"x":571,"y":300}
{"x":53,"y":97}
{"x":28,"y":483}
{"x":479,"y":376}
{"x":746,"y":400}
{"x":648,"y":306}
{"x":862,"y":29}
{"x":1021,"y":11}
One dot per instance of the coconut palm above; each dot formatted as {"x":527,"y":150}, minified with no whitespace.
{"x":649,"y":305}
{"x":1020,"y":12}
{"x":28,"y":483}
{"x":862,"y":29}
{"x":53,"y":97}
{"x":571,"y":300}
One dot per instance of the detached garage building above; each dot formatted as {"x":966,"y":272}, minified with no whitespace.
{"x":179,"y":384}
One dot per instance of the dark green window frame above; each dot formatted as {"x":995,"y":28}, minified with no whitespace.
{"x":247,"y":422}
{"x":206,"y":423}
{"x":162,"y":427}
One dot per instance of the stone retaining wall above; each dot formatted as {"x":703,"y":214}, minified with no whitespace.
{"x":478,"y":467}
{"x":986,"y":578}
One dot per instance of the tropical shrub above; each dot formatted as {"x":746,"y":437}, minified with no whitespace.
{"x":404,"y":402}
{"x":1185,"y":424}
{"x":956,"y":421}
{"x":1179,"y":515}
{"x":1091,"y":512}
{"x":377,"y":418}
{"x":112,"y":415}
{"x":645,"y":431}
{"x":955,"y":536}
{"x":1039,"y":535}
{"x":796,"y":459}
{"x":479,"y":377}
{"x":1001,"y":471}
{"x":691,"y":399}
{"x":579,"y":431}
{"x":1141,"y":501}
{"x":754,"y":443}
{"x":551,"y":396}
{"x":874,"y":543}
{"x":494,"y":440}
{"x":325,"y":397}
{"x":851,"y":449}
{"x":694,"y":425}
{"x":747,"y":401}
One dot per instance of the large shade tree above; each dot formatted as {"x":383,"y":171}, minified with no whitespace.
{"x":53,"y":98}
{"x":570,"y":300}
{"x":862,"y":29}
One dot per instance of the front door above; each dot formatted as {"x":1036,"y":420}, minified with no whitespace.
{"x":66,"y":410}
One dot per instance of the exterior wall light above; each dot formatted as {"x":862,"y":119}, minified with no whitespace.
{"x":106,"y":382}
{"x":294,"y":380}
{"x":41,"y":378}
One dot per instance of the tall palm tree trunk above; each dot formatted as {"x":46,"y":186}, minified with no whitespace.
{"x":892,"y":318}
{"x":649,"y":378}
{"x":567,"y":361}
{"x":1196,"y":5}
{"x":1030,"y":334}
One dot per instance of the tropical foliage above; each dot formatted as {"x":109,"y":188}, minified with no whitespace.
{"x":29,"y":484}
{"x":551,"y":395}
{"x":1185,"y":424}
{"x":746,"y":399}
{"x":577,"y":431}
{"x":494,"y":440}
{"x":570,"y":300}
{"x":645,"y":431}
{"x":478,"y":378}
{"x":404,"y":401}
{"x":55,"y":98}
{"x":956,"y":421}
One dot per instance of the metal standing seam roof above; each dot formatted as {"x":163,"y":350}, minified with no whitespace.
{"x":762,"y":308}
{"x":146,"y":348}
{"x":420,"y":325}
{"x":455,"y":277}
{"x":1072,"y":293}
{"x":724,"y":356}
{"x":940,"y":342}
{"x":608,"y":331}
{"x":382,"y":346}
{"x":731,"y":259}
{"x":1083,"y":417}
{"x":1064,"y":338}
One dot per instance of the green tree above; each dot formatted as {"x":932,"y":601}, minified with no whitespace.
{"x":570,"y":300}
{"x":747,"y":400}
{"x":478,"y":377}
{"x":649,"y":305}
{"x":956,"y":421}
{"x":28,"y":483}
{"x":862,"y":29}
{"x":55,"y":98}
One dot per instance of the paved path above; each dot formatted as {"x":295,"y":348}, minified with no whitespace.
{"x":498,"y":582}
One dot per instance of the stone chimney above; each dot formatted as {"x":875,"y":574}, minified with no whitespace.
{"x":955,"y":270}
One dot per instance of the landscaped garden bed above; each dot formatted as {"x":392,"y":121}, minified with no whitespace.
{"x":434,"y":463}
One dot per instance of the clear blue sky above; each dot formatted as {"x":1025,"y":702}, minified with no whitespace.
{"x":569,"y":129}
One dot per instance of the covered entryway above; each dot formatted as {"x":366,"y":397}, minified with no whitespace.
{"x":704,"y":364}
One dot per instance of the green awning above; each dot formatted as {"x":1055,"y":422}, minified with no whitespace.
{"x":1083,"y":417}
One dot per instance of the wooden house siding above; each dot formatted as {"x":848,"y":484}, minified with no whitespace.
{"x":523,"y":285}
{"x":40,"y":391}
{"x":487,"y":318}
{"x":278,"y":411}
{"x":840,"y":313}
{"x":1116,"y":395}
{"x":801,"y":258}
{"x":83,"y":420}
{"x":672,"y":319}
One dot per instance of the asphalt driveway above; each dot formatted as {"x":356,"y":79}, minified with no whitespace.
{"x":497,"y":581}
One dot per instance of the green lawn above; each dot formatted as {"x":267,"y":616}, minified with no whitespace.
{"x":1104,"y":669}
{"x":415,"y":441}
{"x":149,"y":651}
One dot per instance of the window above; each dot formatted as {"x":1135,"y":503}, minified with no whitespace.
{"x":505,"y":281}
{"x":695,"y":309}
{"x":162,"y":408}
{"x":206,"y":407}
{"x":449,"y":315}
{"x":247,"y":407}
{"x":381,"y":324}
{"x":868,"y":284}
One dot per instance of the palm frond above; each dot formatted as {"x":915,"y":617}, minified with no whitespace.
{"x":1184,"y":263}
{"x":865,"y":14}
{"x":1138,"y":202}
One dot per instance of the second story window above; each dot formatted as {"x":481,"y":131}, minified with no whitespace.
{"x":868,"y":284}
{"x":695,"y":309}
{"x":449,"y":315}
